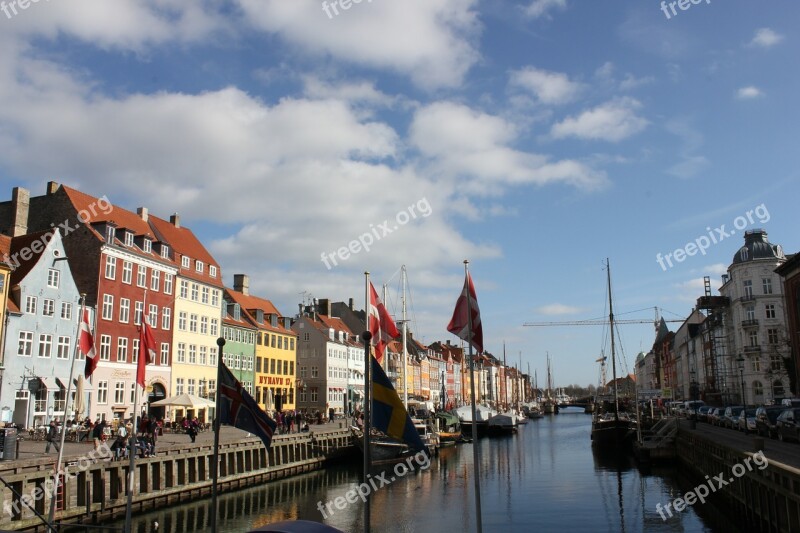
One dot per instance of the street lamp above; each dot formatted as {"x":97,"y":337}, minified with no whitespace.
{"x":740,"y":360}
{"x":693,"y":385}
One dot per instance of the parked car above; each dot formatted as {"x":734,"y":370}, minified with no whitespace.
{"x":786,"y":426}
{"x":729,"y":418}
{"x":703,"y":412}
{"x":790,"y":402}
{"x":714,"y":414}
{"x":691,"y":408}
{"x":747,"y":420}
{"x":766,"y":417}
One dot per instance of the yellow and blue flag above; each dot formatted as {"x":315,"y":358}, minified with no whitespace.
{"x":388,"y":413}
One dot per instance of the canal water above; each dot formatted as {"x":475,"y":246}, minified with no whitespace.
{"x":545,"y":478}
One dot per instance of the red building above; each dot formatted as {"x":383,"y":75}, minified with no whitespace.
{"x":790,"y":272}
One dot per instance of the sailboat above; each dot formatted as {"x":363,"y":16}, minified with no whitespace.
{"x":612,"y":430}
{"x":550,"y":403}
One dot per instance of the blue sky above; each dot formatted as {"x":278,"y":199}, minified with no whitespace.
{"x":535,"y":138}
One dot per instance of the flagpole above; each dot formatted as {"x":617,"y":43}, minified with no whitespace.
{"x":366,"y":337}
{"x":57,"y":473}
{"x":476,"y":455}
{"x":405,"y":342}
{"x":134,"y":429}
{"x":215,"y":458}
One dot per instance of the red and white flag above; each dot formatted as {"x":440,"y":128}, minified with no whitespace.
{"x":86,"y":345}
{"x":381,"y":325}
{"x":460,"y":323}
{"x":147,"y":351}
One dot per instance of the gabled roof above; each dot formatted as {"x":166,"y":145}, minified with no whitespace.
{"x":183,"y":242}
{"x":20,"y":267}
{"x":249,"y":304}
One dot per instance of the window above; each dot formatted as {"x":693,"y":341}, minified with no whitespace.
{"x":185,"y":262}
{"x":753,"y":336}
{"x":124,"y":310}
{"x":285,"y":368}
{"x":122,"y":350}
{"x":152,"y":319}
{"x":135,"y":351}
{"x":756,"y":362}
{"x":166,"y":317}
{"x":212,"y":271}
{"x":215,"y":327}
{"x":179,"y":386}
{"x":181,"y":352}
{"x":165,"y":251}
{"x":141,"y":276}
{"x":302,"y":395}
{"x":190,"y":389}
{"x":45,"y":345}
{"x":203,"y":355}
{"x":155,"y":280}
{"x":770,"y":310}
{"x":212,"y":356}
{"x":750,"y":312}
{"x":291,"y":343}
{"x":102,"y":392}
{"x":195,"y":292}
{"x":137,"y":313}
{"x":111,"y":267}
{"x":302,"y":371}
{"x":105,"y":347}
{"x":148,"y":245}
{"x":66,"y":310}
{"x":772,"y":336}
{"x":192,"y":354}
{"x":767,"y":285}
{"x":168,"y":279}
{"x":133,"y":393}
{"x":204,"y":325}
{"x":30,"y":305}
{"x":215,"y":298}
{"x":49,"y":307}
{"x":314,"y":394}
{"x":53,"y":278}
{"x":119,"y":392}
{"x":776,"y":362}
{"x":63,"y":347}
{"x":758,"y":388}
{"x":164,"y":354}
{"x":306,"y":336}
{"x":25,"y":343}
{"x":182,"y":321}
{"x":291,"y":368}
{"x":273,"y":340}
{"x":198,"y":266}
{"x":314,"y":372}
{"x":272,"y":366}
{"x":108,"y":307}
{"x":184,"y":289}
{"x":204,"y":298}
{"x":127,"y":272}
{"x":193,"y":323}
{"x":128,"y":238}
{"x":237,"y":362}
{"x":748,"y":287}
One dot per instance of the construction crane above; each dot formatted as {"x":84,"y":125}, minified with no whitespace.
{"x":604,"y":321}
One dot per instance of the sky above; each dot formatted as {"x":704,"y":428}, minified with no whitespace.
{"x":306,"y":143}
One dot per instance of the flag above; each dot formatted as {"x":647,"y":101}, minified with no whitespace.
{"x":388,"y":413}
{"x":381,"y":324}
{"x":460,"y":322}
{"x":237,"y":408}
{"x":86,"y":344}
{"x":147,"y":351}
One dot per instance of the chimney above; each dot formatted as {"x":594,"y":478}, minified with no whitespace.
{"x":175,"y":220}
{"x":21,"y":203}
{"x":300,"y":314}
{"x":324,"y":307}
{"x":52,"y":187}
{"x":241,"y":283}
{"x":142,"y":212}
{"x":350,"y":304}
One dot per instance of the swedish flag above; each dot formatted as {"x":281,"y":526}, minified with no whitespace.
{"x":388,"y":413}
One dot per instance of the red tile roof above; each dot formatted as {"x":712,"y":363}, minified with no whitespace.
{"x":5,"y":245}
{"x":20,"y":267}
{"x":249,"y":304}
{"x":184,"y":243}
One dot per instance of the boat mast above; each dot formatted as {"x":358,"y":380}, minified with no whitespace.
{"x":405,"y":342}
{"x":505,"y":369}
{"x":613,"y":352}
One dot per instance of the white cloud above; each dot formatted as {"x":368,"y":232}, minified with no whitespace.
{"x":766,"y":38}
{"x":539,"y":8}
{"x":431,"y":41}
{"x":612,"y":121}
{"x":548,"y":87}
{"x":558,"y":309}
{"x":749,"y":93}
{"x":631,"y":82}
{"x":689,"y":167}
{"x":476,"y":148}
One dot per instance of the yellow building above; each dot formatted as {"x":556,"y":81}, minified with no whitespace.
{"x":197,"y":315}
{"x":275,"y":348}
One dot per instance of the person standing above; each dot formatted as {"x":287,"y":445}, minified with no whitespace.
{"x":52,"y":437}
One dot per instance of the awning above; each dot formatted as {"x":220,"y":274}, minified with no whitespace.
{"x":361,"y":394}
{"x":48,"y":384}
{"x":60,"y":383}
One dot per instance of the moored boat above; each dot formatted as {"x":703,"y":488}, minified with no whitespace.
{"x":482,"y":414}
{"x":448,"y":427}
{"x":502,"y":424}
{"x":381,"y":447}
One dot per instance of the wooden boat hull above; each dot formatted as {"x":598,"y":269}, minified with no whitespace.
{"x":613,"y":434}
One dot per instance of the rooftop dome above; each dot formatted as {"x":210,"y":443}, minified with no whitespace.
{"x":757,"y":246}
{"x":640,"y":357}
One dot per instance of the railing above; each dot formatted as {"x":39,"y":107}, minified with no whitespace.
{"x":751,"y":349}
{"x":748,"y":298}
{"x":749,"y":323}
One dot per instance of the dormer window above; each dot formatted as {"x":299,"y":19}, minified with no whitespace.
{"x":165,"y":251}
{"x":198,"y":266}
{"x":185,"y":262}
{"x":237,"y":312}
{"x":128,"y":238}
{"x":147,"y":245}
{"x":212,"y":271}
{"x":111,"y":234}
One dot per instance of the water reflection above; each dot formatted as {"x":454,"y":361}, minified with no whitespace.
{"x":546,"y":478}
